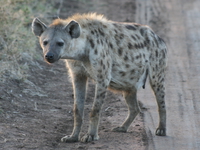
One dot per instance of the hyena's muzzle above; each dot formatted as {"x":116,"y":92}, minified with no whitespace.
{"x":52,"y":51}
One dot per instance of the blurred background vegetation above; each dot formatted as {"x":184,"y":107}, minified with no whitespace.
{"x":17,"y":43}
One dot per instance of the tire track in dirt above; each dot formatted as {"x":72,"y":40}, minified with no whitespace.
{"x":182,"y":85}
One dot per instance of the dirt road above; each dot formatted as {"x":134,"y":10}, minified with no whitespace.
{"x":178,"y":22}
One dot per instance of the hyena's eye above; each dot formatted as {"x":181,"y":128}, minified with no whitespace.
{"x":45,"y":43}
{"x":60,"y":43}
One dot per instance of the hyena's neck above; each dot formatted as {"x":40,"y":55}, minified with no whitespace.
{"x":77,"y":50}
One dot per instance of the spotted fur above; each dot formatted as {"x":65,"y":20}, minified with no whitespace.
{"x":117,"y":56}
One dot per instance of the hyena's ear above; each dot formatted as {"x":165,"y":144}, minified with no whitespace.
{"x":73,"y":29}
{"x":38,"y":27}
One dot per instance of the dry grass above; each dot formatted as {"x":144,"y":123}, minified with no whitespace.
{"x":17,"y":43}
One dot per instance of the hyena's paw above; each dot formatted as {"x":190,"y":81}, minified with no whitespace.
{"x":161,"y":131}
{"x":119,"y":129}
{"x":69,"y":139}
{"x":89,"y":138}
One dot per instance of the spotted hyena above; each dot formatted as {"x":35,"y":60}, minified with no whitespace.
{"x":116,"y":55}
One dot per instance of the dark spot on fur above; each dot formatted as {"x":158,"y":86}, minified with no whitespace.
{"x":103,"y":84}
{"x":94,"y":111}
{"x":145,"y":44}
{"x":104,"y":26}
{"x":108,"y":64}
{"x":101,"y":42}
{"x":101,"y":32}
{"x":160,"y":40}
{"x":130,"y":46}
{"x":162,"y":102}
{"x":130,"y":27}
{"x":122,"y":73}
{"x":120,"y":51}
{"x":138,"y":37}
{"x":115,"y":24}
{"x":95,"y":52}
{"x":99,"y":71}
{"x":156,"y":41}
{"x":142,"y":31}
{"x":133,"y":37}
{"x":92,"y":32}
{"x":162,"y":80}
{"x":153,"y":34}
{"x":101,"y":62}
{"x":137,"y":57}
{"x":163,"y":52}
{"x":121,"y":36}
{"x":147,"y":40}
{"x":100,"y":76}
{"x":132,"y":71}
{"x":132,"y":59}
{"x":125,"y":58}
{"x":104,"y":66}
{"x":127,"y":65}
{"x":117,"y":39}
{"x":160,"y":62}
{"x":95,"y":31}
{"x":111,"y":46}
{"x":91,"y":43}
{"x":141,"y":46}
{"x":103,"y":94}
{"x":106,"y":40}
{"x":136,"y":46}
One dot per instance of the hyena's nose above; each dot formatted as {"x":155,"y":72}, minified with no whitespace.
{"x":49,"y":56}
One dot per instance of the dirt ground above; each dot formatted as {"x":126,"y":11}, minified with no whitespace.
{"x":177,"y":22}
{"x":38,"y":112}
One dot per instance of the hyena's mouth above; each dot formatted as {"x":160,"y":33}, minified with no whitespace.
{"x":51,"y":58}
{"x":49,"y":61}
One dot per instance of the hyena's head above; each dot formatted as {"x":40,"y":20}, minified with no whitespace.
{"x":55,"y":40}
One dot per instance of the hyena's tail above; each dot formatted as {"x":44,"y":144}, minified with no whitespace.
{"x":145,"y":78}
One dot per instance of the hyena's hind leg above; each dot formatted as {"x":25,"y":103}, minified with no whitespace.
{"x":79,"y":85}
{"x":158,"y":86}
{"x":133,"y":110}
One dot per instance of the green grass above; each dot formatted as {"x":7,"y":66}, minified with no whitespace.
{"x":17,"y":42}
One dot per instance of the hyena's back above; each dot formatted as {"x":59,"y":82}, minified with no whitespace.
{"x":136,"y":52}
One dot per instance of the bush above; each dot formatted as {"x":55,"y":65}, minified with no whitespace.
{"x":17,"y":43}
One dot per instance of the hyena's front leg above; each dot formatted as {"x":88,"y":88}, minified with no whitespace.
{"x":92,"y":134}
{"x":79,"y":86}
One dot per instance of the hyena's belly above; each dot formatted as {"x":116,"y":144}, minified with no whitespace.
{"x":128,"y":79}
